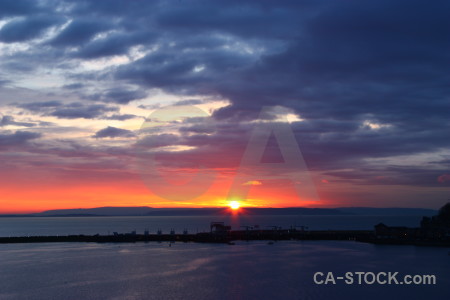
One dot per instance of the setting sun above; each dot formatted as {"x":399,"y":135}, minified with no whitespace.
{"x":234,"y":204}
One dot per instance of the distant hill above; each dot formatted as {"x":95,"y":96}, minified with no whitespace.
{"x":388,"y":211}
{"x":98,"y":211}
{"x":149,"y":211}
{"x":249,"y":211}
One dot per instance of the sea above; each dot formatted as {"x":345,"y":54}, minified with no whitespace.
{"x":245,"y":270}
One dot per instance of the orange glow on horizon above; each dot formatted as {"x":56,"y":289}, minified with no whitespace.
{"x":35,"y":193}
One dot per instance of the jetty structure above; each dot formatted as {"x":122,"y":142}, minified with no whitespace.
{"x":219,"y":233}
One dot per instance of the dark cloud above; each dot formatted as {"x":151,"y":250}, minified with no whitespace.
{"x":120,"y":95}
{"x":71,"y":110}
{"x":368,"y":78}
{"x":114,"y":44}
{"x":188,"y":102}
{"x":9,"y":120}
{"x":113,"y":132}
{"x":79,"y":31}
{"x":111,"y":46}
{"x":159,"y":140}
{"x":27,"y":28}
{"x":242,"y":18}
{"x":17,"y":139}
{"x":133,"y":10}
{"x":445,"y":161}
{"x":198,"y":129}
{"x":17,"y":8}
{"x":120,"y":117}
{"x":40,"y":106}
{"x":124,"y":96}
{"x":151,"y":106}
{"x":73,"y":86}
{"x":80,"y":110}
{"x":391,"y":175}
{"x":4,"y":82}
{"x":188,"y":73}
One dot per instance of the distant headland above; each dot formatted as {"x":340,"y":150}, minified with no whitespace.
{"x":150,"y":211}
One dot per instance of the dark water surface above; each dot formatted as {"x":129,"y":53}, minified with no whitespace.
{"x":247,"y":270}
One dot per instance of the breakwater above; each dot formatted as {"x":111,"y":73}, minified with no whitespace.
{"x":205,"y":237}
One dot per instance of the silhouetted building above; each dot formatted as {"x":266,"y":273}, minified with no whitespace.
{"x":395,"y":232}
{"x":219,"y":228}
{"x":435,"y":228}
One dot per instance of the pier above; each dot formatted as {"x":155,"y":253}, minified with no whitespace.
{"x":215,"y":236}
{"x":426,"y":235}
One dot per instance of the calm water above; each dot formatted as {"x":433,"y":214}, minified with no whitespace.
{"x":247,"y":270}
{"x":105,"y":225}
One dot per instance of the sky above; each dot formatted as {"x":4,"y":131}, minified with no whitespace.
{"x":197,"y":103}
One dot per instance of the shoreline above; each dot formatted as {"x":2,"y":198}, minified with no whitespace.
{"x":365,"y":236}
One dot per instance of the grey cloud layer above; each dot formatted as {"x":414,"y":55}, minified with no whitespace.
{"x":17,"y":139}
{"x":113,"y":132}
{"x":76,"y":110}
{"x":337,"y":64}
